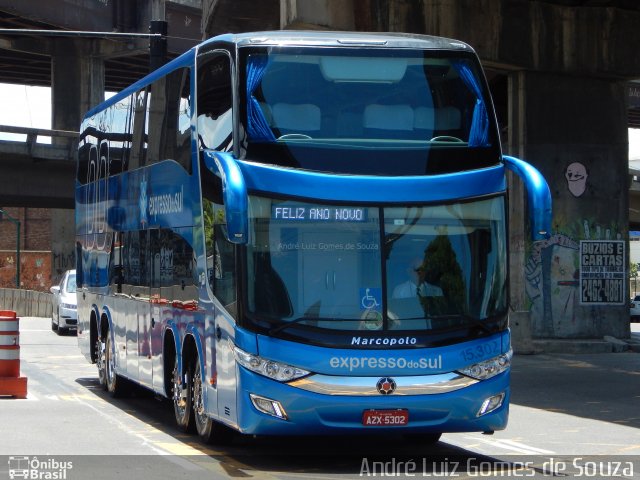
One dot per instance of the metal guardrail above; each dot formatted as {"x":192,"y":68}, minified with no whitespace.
{"x":35,"y":132}
{"x":57,"y":150}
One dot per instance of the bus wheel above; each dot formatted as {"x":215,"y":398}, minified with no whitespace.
{"x":182,"y":400}
{"x":209,"y":430}
{"x":424,"y":438}
{"x":101,"y":363}
{"x":114,"y":382}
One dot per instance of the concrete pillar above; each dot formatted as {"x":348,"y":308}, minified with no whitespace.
{"x":574,"y":130}
{"x":318,"y":14}
{"x":77,"y":81}
{"x":77,"y":77}
{"x":519,"y":315}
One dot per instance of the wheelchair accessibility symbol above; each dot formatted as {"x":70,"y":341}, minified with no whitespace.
{"x":370,"y":299}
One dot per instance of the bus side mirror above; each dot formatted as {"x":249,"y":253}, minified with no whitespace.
{"x":234,"y":194}
{"x":538,"y":196}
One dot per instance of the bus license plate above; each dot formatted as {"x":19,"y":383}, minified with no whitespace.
{"x":385,"y":418}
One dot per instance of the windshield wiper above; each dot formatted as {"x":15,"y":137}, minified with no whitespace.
{"x":284,"y":325}
{"x":468,"y":318}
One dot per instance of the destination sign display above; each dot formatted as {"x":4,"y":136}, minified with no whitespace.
{"x":307,"y":213}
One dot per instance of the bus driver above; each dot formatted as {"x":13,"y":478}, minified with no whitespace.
{"x":416,"y":285}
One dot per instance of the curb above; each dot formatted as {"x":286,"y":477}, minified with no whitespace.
{"x":584,"y":346}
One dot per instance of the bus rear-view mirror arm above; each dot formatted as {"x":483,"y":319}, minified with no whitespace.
{"x":234,"y":193}
{"x":538,"y":196}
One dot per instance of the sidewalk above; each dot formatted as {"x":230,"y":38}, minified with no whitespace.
{"x":583,"y":346}
{"x":601,"y":386}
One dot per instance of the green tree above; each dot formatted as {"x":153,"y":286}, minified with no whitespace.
{"x":633,"y":274}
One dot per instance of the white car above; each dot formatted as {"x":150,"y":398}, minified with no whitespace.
{"x":64,"y":316}
{"x":634,"y":309}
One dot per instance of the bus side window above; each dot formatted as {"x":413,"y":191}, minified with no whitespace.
{"x":215,"y":100}
{"x":173,"y":268}
{"x":220,"y":257}
{"x":169,"y":119}
{"x":140,"y":130}
{"x":183,"y":130}
{"x":133,"y":246}
{"x":116,"y":270}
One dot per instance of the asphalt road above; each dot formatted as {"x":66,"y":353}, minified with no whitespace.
{"x":563,"y":407}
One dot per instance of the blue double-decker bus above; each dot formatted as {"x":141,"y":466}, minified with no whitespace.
{"x":294,"y":233}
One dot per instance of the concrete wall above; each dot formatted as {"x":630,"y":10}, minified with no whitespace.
{"x":565,"y":132}
{"x":62,"y":243}
{"x":26,"y":303}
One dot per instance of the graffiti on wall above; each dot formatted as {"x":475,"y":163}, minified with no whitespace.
{"x":35,"y":270}
{"x":576,"y":175}
{"x":552,"y":279}
{"x":63,"y":262}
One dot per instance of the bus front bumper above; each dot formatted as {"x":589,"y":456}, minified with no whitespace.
{"x":309,"y":413}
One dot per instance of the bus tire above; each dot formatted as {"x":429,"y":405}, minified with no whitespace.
{"x":208,"y":429}
{"x":101,"y":363}
{"x":183,"y":405}
{"x":115,"y":383}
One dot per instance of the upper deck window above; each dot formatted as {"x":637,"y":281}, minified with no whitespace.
{"x":367,"y":111}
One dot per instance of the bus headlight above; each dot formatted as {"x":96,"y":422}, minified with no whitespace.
{"x":488,"y":368}
{"x":274,"y":370}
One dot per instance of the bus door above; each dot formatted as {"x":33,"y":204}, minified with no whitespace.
{"x":150,"y":325}
{"x":138,"y":325}
{"x":221,"y":266}
{"x":138,"y":293}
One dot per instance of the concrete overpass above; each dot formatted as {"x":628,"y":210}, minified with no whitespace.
{"x":36,"y":173}
{"x":558,"y":70}
{"x":78,"y":68}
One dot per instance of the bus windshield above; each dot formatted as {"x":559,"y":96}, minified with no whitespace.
{"x":368,"y":268}
{"x":382,"y":112}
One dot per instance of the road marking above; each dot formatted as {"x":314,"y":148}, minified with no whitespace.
{"x":55,"y":357}
{"x":183,"y":449}
{"x":527,"y":447}
{"x":512,"y":445}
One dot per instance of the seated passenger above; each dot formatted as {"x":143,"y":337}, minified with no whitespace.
{"x":416,"y":285}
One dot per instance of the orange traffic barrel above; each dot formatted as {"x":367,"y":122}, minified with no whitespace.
{"x":11,"y":383}
{"x":9,"y":344}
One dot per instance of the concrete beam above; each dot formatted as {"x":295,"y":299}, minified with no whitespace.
{"x":326,"y":14}
{"x":233,"y":16}
{"x":96,"y":15}
{"x":595,"y":40}
{"x":42,"y":185}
